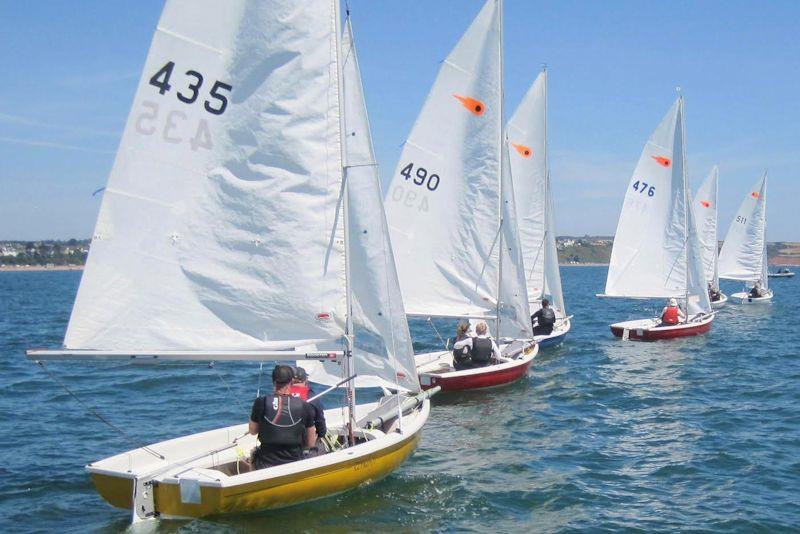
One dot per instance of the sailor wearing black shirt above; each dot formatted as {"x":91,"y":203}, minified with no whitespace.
{"x":284,"y":424}
{"x":543,"y":320}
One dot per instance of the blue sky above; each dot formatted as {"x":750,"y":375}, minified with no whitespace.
{"x":69,"y":71}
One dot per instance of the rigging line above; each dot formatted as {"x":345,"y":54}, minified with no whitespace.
{"x":96,"y":413}
{"x":430,"y":322}
{"x":236,"y":400}
{"x":489,"y":256}
{"x":258,"y":386}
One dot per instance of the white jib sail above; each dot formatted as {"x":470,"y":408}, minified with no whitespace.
{"x":443,"y":200}
{"x":527,"y":132}
{"x":656,"y":252}
{"x":383,"y":355}
{"x":743,"y":251}
{"x":219,"y":227}
{"x":705,"y":211}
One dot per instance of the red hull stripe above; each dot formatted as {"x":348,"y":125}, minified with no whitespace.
{"x":480,"y":380}
{"x":654,"y":334}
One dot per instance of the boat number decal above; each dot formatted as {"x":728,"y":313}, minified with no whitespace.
{"x":420,"y":177}
{"x":364,"y":465}
{"x":173,"y":126}
{"x":741,"y":220}
{"x":217,"y":102}
{"x":641,"y":187}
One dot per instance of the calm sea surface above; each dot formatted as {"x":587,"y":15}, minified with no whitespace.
{"x":695,"y":434}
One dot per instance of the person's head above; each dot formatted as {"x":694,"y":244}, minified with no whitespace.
{"x":481,"y":328}
{"x":282,"y":376}
{"x":462,"y":329}
{"x":300,"y":375}
{"x":672,"y":302}
{"x":758,"y":284}
{"x":545,"y":303}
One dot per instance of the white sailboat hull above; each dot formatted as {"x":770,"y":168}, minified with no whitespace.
{"x":744,"y":297}
{"x":717,"y":304}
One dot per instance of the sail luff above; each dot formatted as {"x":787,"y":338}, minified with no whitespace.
{"x":500,"y":164}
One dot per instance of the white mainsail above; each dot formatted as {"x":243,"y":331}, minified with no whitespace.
{"x":383,"y":355}
{"x":744,"y":250}
{"x":443,"y":200}
{"x":656,"y":252}
{"x":446,"y":200}
{"x":527,"y":131}
{"x":223,"y":223}
{"x":705,"y":211}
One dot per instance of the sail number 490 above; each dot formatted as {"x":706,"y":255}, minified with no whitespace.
{"x":217,"y":102}
{"x":420,"y":177}
{"x":641,"y":187}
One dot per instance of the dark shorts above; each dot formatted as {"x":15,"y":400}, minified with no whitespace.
{"x":270,"y":458}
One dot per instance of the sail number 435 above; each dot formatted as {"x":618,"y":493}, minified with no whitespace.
{"x":641,"y":187}
{"x":420,"y":176}
{"x":215,"y":104}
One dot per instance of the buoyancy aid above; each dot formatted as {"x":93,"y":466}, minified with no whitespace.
{"x":670,"y":315}
{"x":481,"y":349}
{"x":299,"y":390}
{"x":282,"y":425}
{"x":548,"y":317}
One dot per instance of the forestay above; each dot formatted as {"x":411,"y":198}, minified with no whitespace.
{"x":743,"y":252}
{"x":527,"y":131}
{"x":705,"y":210}
{"x":656,"y":252}
{"x":219,"y":227}
{"x":444,"y":198}
{"x":383,"y":355}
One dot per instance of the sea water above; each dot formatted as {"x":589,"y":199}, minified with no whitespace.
{"x":700,"y":433}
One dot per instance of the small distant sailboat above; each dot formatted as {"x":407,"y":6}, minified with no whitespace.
{"x":744,"y":252}
{"x":530,"y":170}
{"x":656,"y":252}
{"x":705,"y":212}
{"x":782,"y":272}
{"x":450,"y":207}
{"x":243,"y":220}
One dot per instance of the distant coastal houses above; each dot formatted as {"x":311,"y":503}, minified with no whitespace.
{"x":46,"y":253}
{"x":572,"y":250}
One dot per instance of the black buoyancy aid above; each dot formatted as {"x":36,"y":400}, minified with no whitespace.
{"x":481,"y":349}
{"x":282,"y":425}
{"x":548,"y":317}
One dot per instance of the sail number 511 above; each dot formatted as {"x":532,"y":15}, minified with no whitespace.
{"x":641,"y":187}
{"x":420,"y":176}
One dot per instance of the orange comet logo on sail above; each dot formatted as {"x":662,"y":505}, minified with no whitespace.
{"x":661,"y":160}
{"x":705,"y":203}
{"x":475,"y":107}
{"x":755,"y":194}
{"x":524,"y":151}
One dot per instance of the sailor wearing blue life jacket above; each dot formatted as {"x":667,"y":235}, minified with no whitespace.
{"x":482,"y":349}
{"x":284,"y":424}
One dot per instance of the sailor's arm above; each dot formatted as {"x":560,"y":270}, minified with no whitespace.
{"x":496,"y":350}
{"x":466,"y":342}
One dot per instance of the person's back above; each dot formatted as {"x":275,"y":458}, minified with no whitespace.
{"x":482,"y":351}
{"x":284,"y":423}
{"x":543,"y":320}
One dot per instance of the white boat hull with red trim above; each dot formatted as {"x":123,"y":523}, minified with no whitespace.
{"x":652,"y":329}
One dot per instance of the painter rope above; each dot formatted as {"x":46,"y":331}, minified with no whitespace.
{"x":96,"y":413}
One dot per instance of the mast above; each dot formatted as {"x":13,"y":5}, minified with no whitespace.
{"x":546,"y":188}
{"x":686,"y":202}
{"x":503,"y":147}
{"x":348,"y":333}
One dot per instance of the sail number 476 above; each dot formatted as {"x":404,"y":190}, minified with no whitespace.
{"x":420,"y":176}
{"x":641,"y":187}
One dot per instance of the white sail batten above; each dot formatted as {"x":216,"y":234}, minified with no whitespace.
{"x":744,"y":249}
{"x":656,"y":251}
{"x":382,"y":353}
{"x":705,"y":210}
{"x":527,"y":131}
{"x":443,"y":200}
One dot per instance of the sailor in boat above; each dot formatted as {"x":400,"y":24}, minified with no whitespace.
{"x":543,"y":320}
{"x":757,"y":291}
{"x":672,"y":314}
{"x":301,"y":388}
{"x":482,"y":349}
{"x":462,"y":357}
{"x":713,"y":294}
{"x":284,"y":423}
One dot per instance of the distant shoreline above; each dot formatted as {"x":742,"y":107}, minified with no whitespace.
{"x":41,"y":268}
